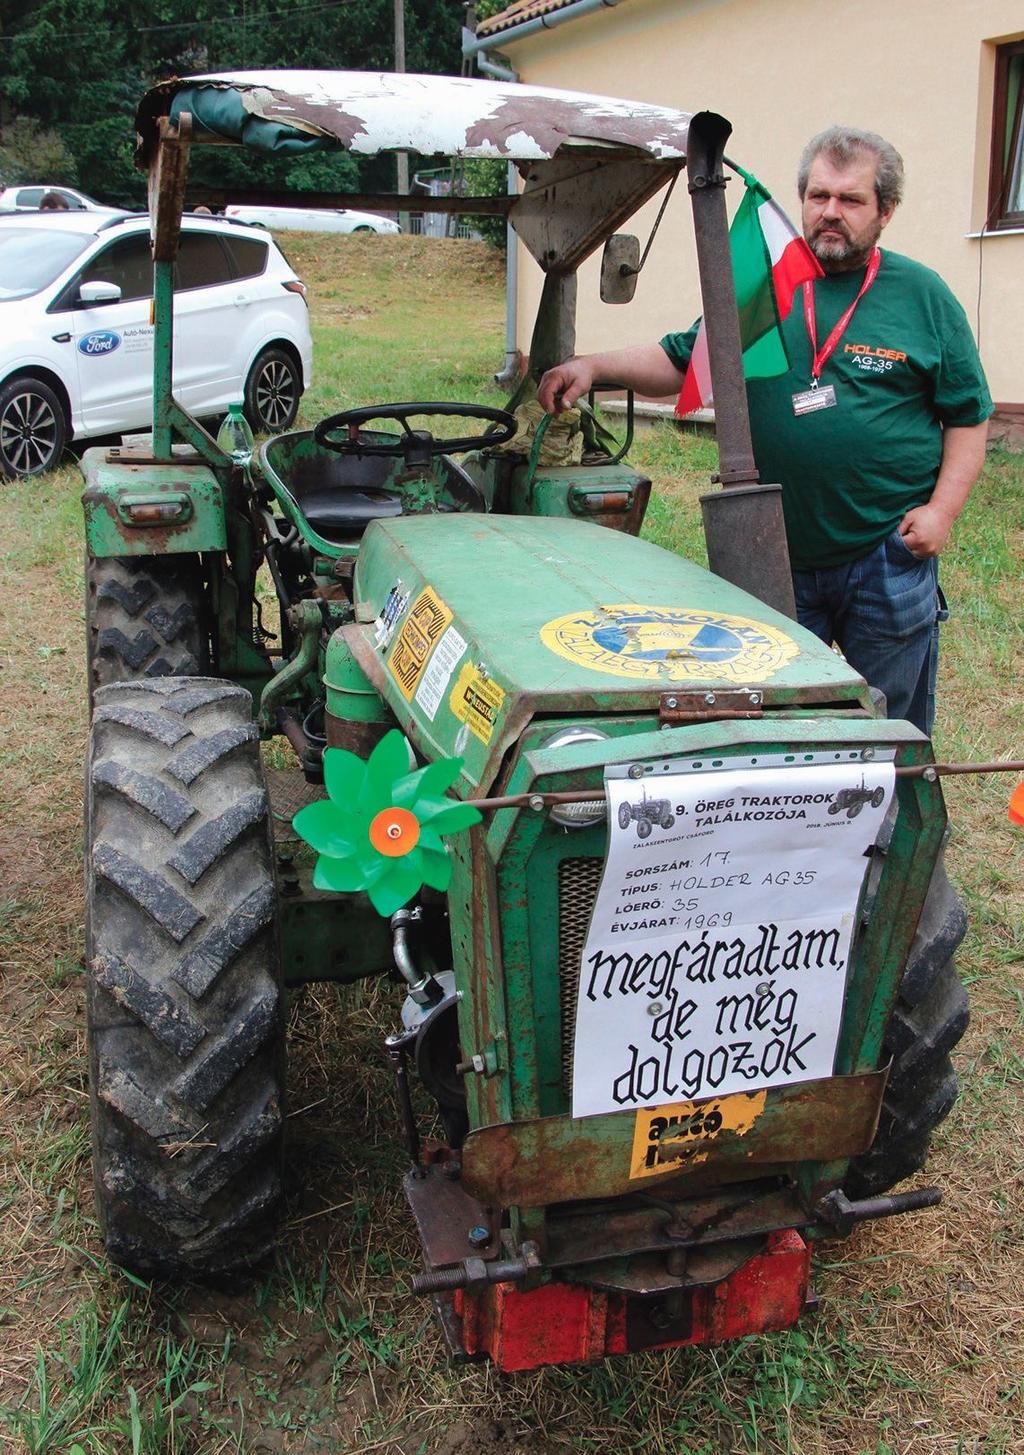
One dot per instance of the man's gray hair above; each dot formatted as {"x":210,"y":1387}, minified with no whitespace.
{"x":846,"y":144}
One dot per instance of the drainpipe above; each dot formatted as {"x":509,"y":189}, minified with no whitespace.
{"x":509,"y":375}
{"x":495,"y":67}
{"x":472,"y":46}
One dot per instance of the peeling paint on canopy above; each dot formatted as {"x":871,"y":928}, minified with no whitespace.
{"x":371,"y":112}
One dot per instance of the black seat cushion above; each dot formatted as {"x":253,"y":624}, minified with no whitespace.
{"x":348,"y":509}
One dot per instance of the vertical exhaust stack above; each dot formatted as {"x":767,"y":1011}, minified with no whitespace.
{"x":743,"y":524}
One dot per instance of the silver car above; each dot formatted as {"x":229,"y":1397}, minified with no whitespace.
{"x":313,"y":219}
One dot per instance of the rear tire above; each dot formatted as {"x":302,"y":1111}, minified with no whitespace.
{"x":185,"y":1010}
{"x":930,"y":1017}
{"x":144,"y":617}
{"x":272,"y":392}
{"x":33,"y":428}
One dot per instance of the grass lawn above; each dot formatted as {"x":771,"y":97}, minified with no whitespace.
{"x":919,"y":1342}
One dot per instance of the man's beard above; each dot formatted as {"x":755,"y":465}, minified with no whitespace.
{"x":841,"y":254}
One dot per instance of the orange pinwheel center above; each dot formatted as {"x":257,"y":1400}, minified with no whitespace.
{"x":394,"y":832}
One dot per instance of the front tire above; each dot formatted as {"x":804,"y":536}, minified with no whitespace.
{"x":272,"y":392}
{"x":144,"y":617}
{"x":33,"y":428}
{"x":185,"y":1010}
{"x":930,"y":1017}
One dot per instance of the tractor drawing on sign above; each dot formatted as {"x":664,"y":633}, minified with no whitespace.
{"x":852,"y":800}
{"x":645,"y":814}
{"x":439,"y":668}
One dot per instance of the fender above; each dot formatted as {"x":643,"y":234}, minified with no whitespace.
{"x":151,"y":509}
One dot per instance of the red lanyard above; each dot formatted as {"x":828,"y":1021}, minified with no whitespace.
{"x":822,"y":355}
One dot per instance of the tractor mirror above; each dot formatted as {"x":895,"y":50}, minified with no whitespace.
{"x":620,"y":264}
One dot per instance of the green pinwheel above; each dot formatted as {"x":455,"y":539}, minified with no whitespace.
{"x":380,"y":826}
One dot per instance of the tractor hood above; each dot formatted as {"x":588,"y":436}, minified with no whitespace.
{"x":470,"y":625}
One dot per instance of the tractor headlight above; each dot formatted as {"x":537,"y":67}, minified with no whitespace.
{"x":576,"y":815}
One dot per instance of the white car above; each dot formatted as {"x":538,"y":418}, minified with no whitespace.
{"x":27,"y":198}
{"x":76,"y":340}
{"x":313,"y":219}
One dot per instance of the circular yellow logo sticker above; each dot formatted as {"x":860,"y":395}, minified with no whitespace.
{"x":669,"y":644}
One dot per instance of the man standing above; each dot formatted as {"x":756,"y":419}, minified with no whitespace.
{"x":876,"y":434}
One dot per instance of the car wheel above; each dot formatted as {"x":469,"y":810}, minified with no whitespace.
{"x":930,"y":1017}
{"x":33,"y":430}
{"x":272,"y":392}
{"x":364,"y":228}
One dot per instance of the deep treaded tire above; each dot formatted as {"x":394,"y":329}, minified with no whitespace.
{"x":186,"y":1030}
{"x":930,"y":1017}
{"x":144,"y":618}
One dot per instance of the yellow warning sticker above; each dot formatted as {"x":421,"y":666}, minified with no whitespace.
{"x":669,"y":644}
{"x":672,"y":1138}
{"x":420,"y":633}
{"x":477,"y":701}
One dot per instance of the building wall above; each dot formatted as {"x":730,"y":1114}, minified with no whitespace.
{"x":918,"y":71}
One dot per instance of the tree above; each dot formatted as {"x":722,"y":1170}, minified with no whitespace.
{"x":81,"y":66}
{"x":31,"y":153}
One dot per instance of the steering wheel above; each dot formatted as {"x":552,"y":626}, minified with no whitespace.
{"x":415,"y":446}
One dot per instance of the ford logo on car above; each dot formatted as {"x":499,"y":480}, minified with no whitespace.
{"x":99,"y":343}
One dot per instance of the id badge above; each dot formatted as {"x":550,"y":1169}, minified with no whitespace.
{"x":809,"y":401}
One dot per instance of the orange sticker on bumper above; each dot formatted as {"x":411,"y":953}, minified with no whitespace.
{"x":672,"y":1138}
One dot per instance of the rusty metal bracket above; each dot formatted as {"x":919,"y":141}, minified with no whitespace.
{"x":167,"y":174}
{"x":545,"y":1160}
{"x":451,"y":1223}
{"x":677,"y":708}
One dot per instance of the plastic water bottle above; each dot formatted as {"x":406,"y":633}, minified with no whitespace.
{"x":235,"y":437}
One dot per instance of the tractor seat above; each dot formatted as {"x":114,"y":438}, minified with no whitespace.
{"x":348,"y":512}
{"x":340,"y":494}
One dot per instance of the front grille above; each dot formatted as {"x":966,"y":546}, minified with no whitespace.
{"x":578,"y":880}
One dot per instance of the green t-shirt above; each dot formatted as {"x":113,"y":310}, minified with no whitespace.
{"x":906,"y":365}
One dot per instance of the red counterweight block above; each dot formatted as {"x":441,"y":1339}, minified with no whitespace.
{"x":564,"y":1323}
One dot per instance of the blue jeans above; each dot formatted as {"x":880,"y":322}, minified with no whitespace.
{"x":883,"y":613}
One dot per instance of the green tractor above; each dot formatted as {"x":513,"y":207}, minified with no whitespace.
{"x":664,"y":1062}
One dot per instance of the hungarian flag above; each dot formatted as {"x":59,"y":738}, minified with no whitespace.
{"x":770,"y":261}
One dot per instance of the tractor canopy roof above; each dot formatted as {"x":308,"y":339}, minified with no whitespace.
{"x":586,"y":162}
{"x":371,"y":112}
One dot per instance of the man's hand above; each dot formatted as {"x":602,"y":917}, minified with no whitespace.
{"x":925,"y":529}
{"x":561,"y":386}
{"x":646,"y":368}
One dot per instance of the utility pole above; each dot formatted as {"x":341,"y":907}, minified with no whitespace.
{"x":402,"y":158}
